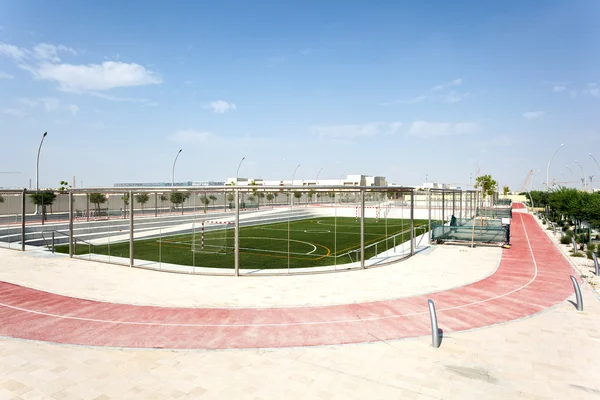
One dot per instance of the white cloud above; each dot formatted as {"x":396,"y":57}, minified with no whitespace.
{"x":49,"y":52}
{"x":12,"y":51}
{"x":592,"y":89}
{"x":502,"y":141}
{"x":429,"y":129}
{"x":191,"y":136}
{"x":15,"y":112}
{"x":417,"y":99}
{"x":220,"y":106}
{"x":49,"y":104}
{"x":532,"y":114}
{"x":73,"y":109}
{"x":454,"y":97}
{"x":356,"y":131}
{"x":188,"y":82}
{"x":463,"y":128}
{"x":119,"y":99}
{"x":445,"y":85}
{"x":558,"y":88}
{"x":4,"y":75}
{"x":43,"y":61}
{"x":96,"y":77}
{"x":305,"y":52}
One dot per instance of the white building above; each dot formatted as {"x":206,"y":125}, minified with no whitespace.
{"x":351,"y":180}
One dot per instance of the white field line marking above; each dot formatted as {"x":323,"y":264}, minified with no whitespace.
{"x":356,"y":320}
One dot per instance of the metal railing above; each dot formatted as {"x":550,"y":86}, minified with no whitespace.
{"x":148,"y":214}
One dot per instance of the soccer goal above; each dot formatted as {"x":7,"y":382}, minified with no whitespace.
{"x":215,"y":237}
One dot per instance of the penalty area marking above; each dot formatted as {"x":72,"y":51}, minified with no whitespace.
{"x":317,"y":231}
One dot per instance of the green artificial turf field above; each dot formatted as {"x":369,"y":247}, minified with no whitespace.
{"x":312,"y":242}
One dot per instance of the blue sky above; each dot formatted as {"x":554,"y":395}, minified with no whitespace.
{"x":399,"y":89}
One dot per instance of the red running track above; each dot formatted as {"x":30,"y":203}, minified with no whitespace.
{"x":532,"y":276}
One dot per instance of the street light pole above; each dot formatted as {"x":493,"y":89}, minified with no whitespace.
{"x":173,"y":172}
{"x":584,"y":177}
{"x":548,"y":167}
{"x":598,"y":165}
{"x":37,"y":170}
{"x":572,"y":176}
{"x":237,"y":172}
{"x":288,"y":221}
{"x":317,"y":180}
{"x":293,"y":175}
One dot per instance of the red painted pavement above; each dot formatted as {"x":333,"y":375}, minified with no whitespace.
{"x":532,"y":276}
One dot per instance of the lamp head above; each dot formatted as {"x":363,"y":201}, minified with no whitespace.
{"x":45,"y":133}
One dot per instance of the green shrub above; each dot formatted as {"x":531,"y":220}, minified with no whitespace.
{"x":577,"y":254}
{"x":588,"y":253}
{"x":591,"y":247}
{"x":565,"y":239}
{"x":544,"y":222}
{"x":586,"y":238}
{"x":565,"y":227}
{"x":569,"y":233}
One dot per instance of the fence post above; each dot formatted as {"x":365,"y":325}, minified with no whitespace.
{"x":574,"y":244}
{"x":578,"y":297}
{"x":131,"y":232}
{"x":53,"y":242}
{"x":412,"y":222}
{"x":362,"y":228}
{"x":71,"y":244}
{"x":435,"y":331}
{"x":236,"y":230}
{"x":453,"y":202}
{"x":429,"y":212}
{"x":155,"y":204}
{"x":595,"y":256}
{"x":23,"y":204}
{"x":443,"y":207}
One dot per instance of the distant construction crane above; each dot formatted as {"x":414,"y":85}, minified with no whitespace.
{"x":526,"y":182}
{"x":555,"y":182}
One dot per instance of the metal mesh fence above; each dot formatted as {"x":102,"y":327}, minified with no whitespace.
{"x":244,"y":230}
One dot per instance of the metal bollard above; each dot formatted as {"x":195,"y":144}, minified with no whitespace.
{"x":595,"y":256}
{"x":435,"y":332}
{"x":52,"y":241}
{"x":577,"y":294}
{"x":574,"y":244}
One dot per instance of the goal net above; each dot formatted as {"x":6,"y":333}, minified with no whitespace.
{"x":214,"y":237}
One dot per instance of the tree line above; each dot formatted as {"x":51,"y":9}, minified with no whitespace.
{"x":566,"y":204}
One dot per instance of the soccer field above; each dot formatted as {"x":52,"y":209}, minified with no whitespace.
{"x":308,"y":243}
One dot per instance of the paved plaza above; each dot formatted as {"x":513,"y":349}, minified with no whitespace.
{"x":74,"y":329}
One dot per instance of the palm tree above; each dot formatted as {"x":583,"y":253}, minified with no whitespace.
{"x":206,"y":201}
{"x":254,"y":193}
{"x":163,"y":197}
{"x":270,"y":198}
{"x":142,"y":198}
{"x":311,"y":193}
{"x":230,"y":198}
{"x":213,"y":198}
{"x":1,"y":199}
{"x":298,"y":195}
{"x":97,"y":199}
{"x":43,"y":198}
